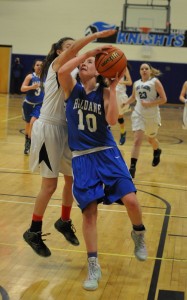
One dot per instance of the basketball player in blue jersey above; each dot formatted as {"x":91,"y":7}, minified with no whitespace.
{"x":183,"y":99}
{"x":33,"y":101}
{"x":148,"y":93}
{"x":99,"y":171}
{"x":49,"y":151}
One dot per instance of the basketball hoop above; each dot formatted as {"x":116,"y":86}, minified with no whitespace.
{"x":144,"y":33}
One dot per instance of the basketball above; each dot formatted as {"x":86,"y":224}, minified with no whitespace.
{"x":111,"y":63}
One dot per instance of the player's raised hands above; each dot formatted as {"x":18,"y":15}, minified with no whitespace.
{"x":105,"y":33}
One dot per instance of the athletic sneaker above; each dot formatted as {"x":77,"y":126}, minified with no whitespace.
{"x":132,"y":171}
{"x":156,"y":157}
{"x":68,"y":230}
{"x":94,"y":274}
{"x":122,"y":138}
{"x":34,"y":239}
{"x":140,"y":250}
{"x":27,"y":145}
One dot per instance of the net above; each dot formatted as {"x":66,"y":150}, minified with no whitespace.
{"x":146,"y":48}
{"x":144,"y":32}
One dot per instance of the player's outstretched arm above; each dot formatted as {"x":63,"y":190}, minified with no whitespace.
{"x":73,"y":50}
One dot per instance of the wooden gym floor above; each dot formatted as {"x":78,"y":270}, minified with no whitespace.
{"x":162,"y":192}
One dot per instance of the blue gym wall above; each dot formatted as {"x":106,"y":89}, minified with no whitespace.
{"x":48,"y":21}
{"x":173,"y":74}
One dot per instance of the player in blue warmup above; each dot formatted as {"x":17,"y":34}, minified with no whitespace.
{"x":33,"y":101}
{"x":99,"y":170}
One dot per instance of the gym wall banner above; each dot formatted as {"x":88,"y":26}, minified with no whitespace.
{"x":176,"y":38}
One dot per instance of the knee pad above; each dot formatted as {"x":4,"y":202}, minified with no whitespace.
{"x":121,"y":120}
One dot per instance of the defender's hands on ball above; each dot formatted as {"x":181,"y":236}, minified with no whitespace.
{"x":100,"y":50}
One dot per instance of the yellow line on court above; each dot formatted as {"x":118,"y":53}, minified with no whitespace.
{"x":9,"y":119}
{"x":104,"y":253}
{"x":100,"y":209}
{"x":15,"y":170}
{"x":148,"y":183}
{"x":161,"y":184}
{"x":137,"y":182}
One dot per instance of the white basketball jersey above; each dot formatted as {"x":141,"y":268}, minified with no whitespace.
{"x":53,"y":109}
{"x":121,"y":88}
{"x":146,"y":91}
{"x":185,"y":116}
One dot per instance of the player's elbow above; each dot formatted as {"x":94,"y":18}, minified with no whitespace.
{"x":112,"y":123}
{"x":164,"y":100}
{"x":22,"y":89}
{"x":60,"y":71}
{"x":112,"y":120}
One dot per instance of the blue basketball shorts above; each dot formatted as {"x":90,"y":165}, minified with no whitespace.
{"x":30,"y":110}
{"x":101,"y":176}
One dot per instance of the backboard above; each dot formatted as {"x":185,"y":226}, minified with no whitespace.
{"x":153,"y":14}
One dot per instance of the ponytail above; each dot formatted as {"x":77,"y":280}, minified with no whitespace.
{"x":51,"y":56}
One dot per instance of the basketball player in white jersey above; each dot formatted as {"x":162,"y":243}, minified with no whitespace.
{"x":148,"y":93}
{"x":121,"y":100}
{"x":183,"y":99}
{"x":49,"y":148}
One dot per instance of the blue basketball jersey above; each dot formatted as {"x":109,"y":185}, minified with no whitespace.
{"x":35,"y":96}
{"x":87,"y":126}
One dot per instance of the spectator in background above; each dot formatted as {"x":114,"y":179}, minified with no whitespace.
{"x":16,"y":76}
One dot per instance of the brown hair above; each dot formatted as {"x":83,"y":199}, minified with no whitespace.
{"x":154,"y":72}
{"x":52,"y":55}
